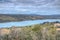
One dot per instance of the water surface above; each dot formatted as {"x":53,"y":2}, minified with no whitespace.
{"x":26,"y":23}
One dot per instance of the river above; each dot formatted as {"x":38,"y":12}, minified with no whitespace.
{"x":26,"y":23}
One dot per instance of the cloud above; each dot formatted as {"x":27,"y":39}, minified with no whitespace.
{"x":30,"y":6}
{"x":28,"y":2}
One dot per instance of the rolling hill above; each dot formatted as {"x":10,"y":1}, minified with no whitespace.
{"x":23,"y":17}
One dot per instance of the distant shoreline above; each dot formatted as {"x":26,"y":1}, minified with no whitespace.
{"x":24,"y":17}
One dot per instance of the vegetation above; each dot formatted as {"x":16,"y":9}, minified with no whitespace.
{"x":45,"y":31}
{"x":22,"y":17}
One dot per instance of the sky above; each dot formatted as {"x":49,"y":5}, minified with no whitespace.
{"x":41,"y":7}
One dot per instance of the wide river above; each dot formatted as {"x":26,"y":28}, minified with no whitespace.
{"x":26,"y":23}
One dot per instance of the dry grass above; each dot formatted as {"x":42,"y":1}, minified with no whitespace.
{"x":4,"y":31}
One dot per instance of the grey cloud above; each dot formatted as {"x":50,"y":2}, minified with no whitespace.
{"x":57,"y":3}
{"x":29,"y":6}
{"x":28,"y":2}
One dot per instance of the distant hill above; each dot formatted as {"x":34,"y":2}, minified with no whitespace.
{"x":22,"y":17}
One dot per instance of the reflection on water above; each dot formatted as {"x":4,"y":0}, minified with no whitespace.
{"x":25,"y":23}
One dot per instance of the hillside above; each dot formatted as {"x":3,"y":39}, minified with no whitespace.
{"x":23,"y":17}
{"x":18,"y":17}
{"x":33,"y":32}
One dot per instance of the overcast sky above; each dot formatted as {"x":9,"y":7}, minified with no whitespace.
{"x":42,"y":7}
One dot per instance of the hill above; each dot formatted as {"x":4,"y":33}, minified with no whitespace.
{"x":23,"y":17}
{"x":33,"y":32}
